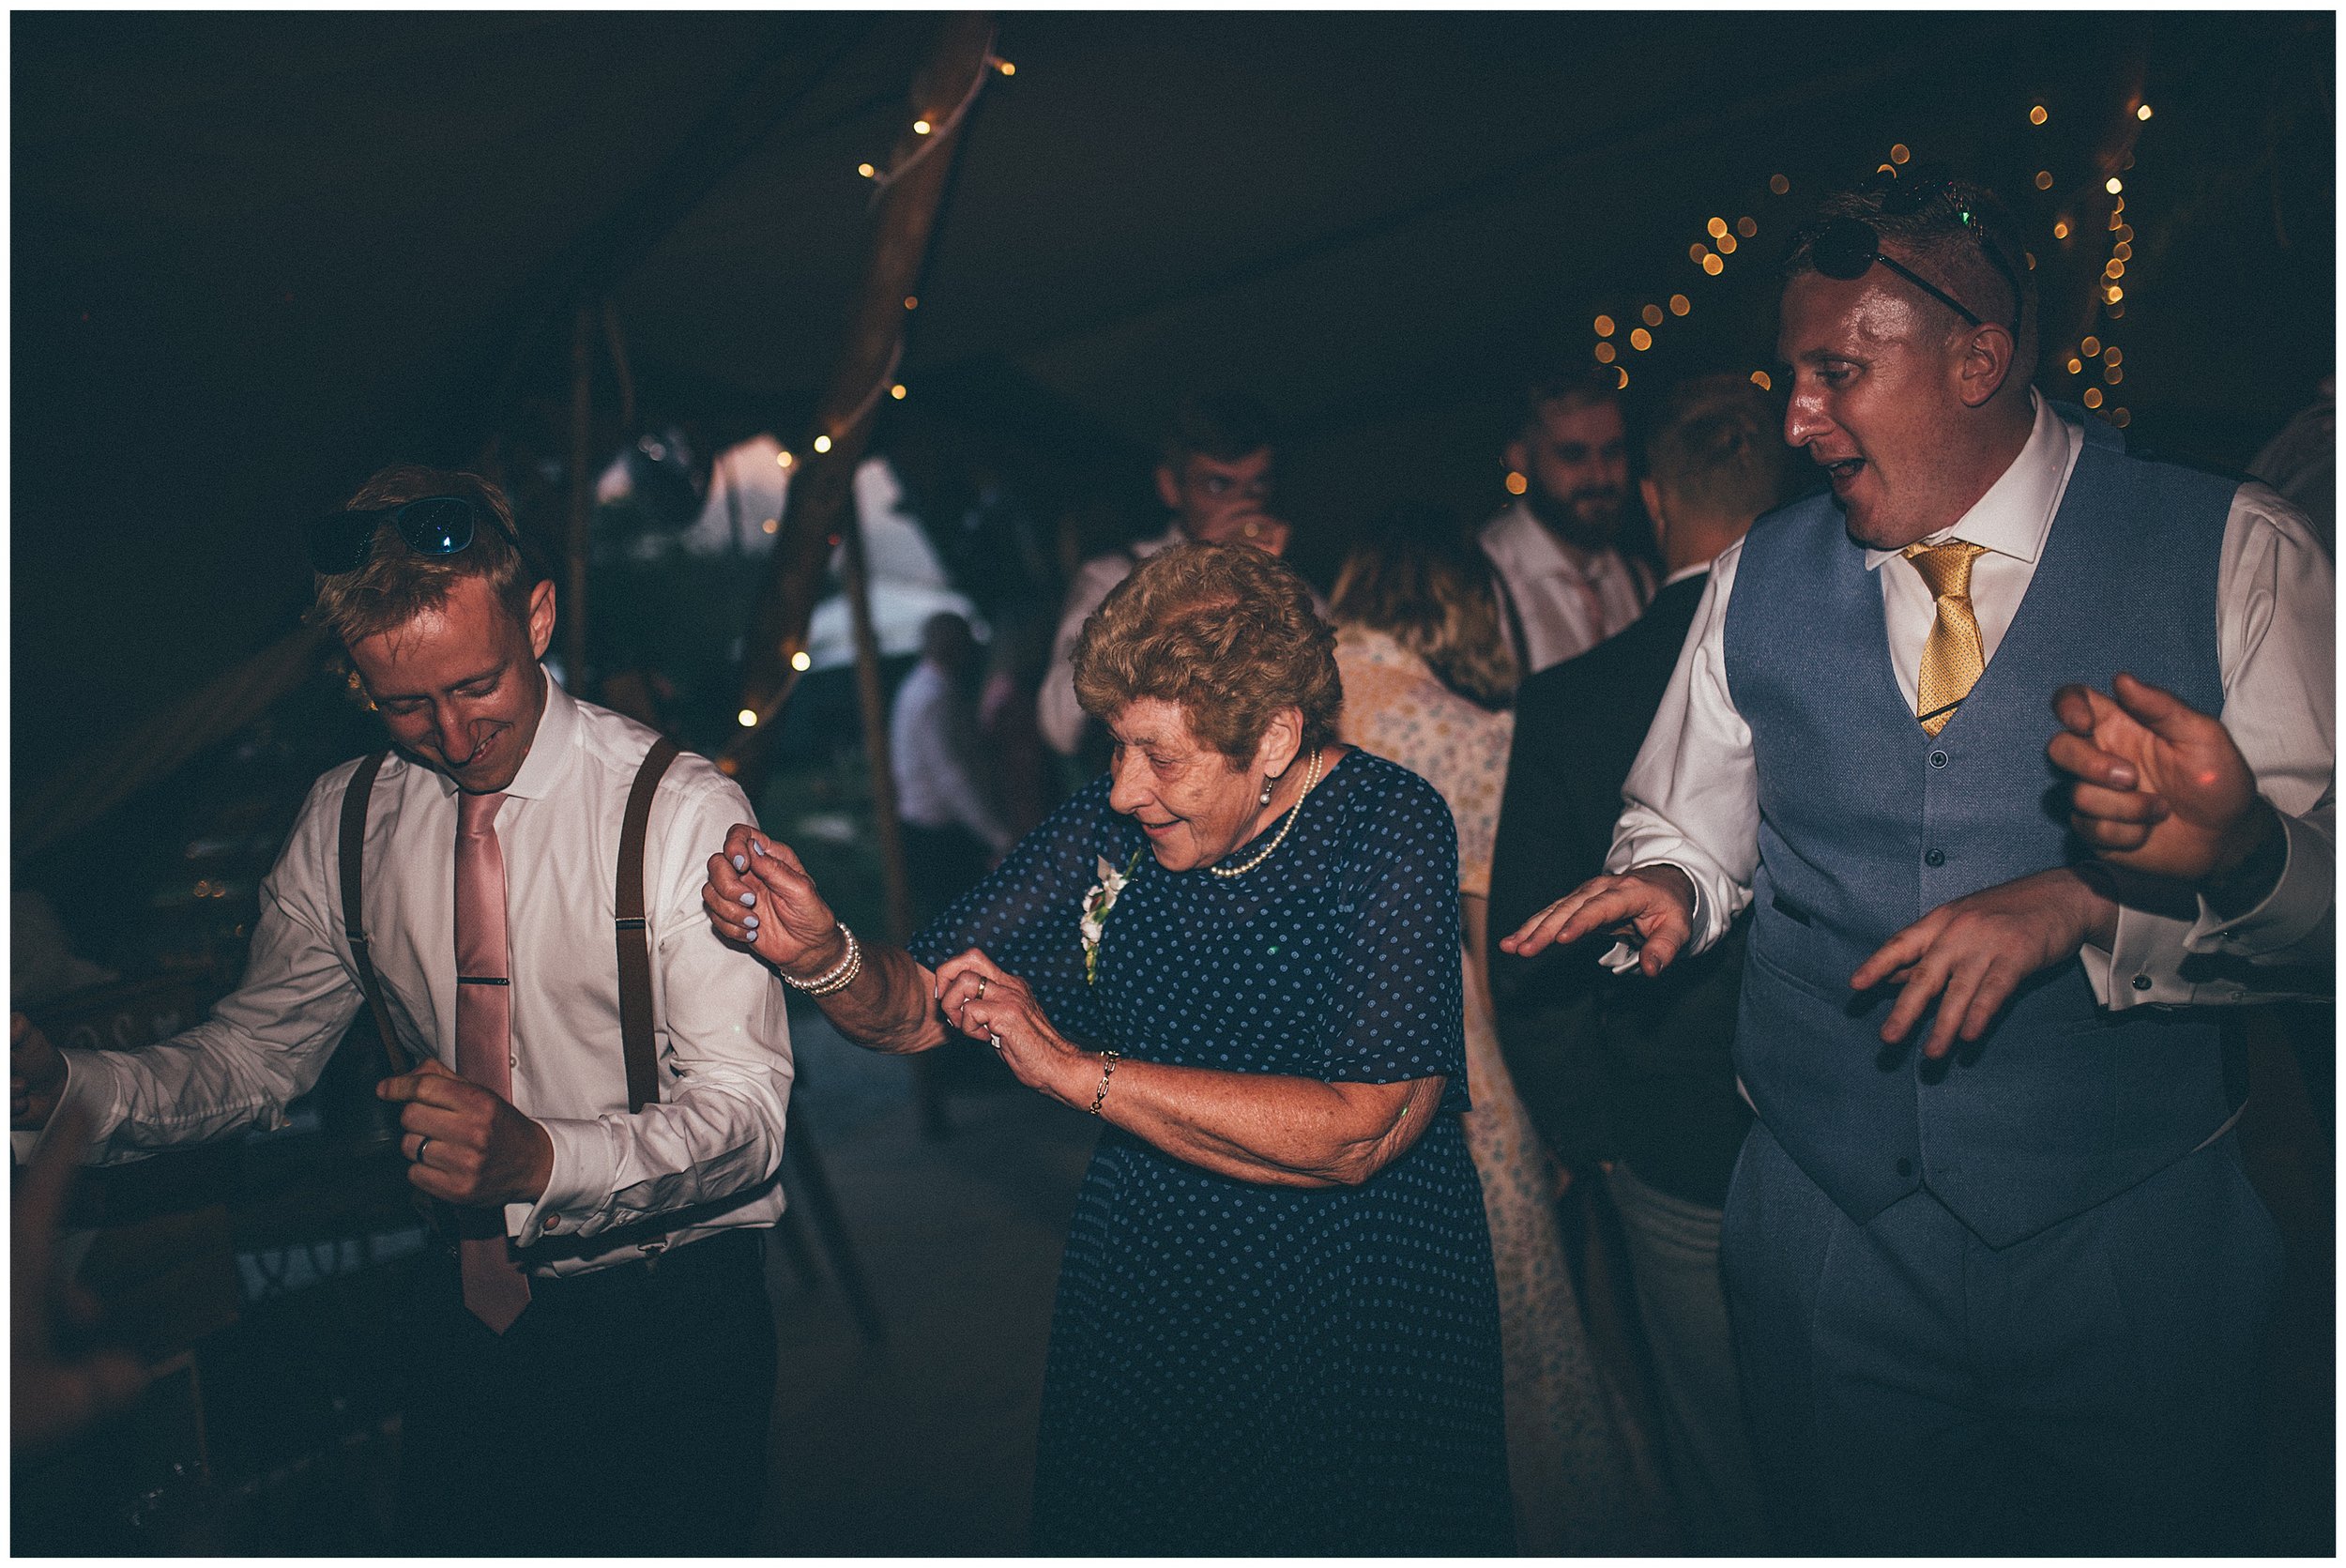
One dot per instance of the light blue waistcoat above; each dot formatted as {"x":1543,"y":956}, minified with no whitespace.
{"x":1867,"y":824}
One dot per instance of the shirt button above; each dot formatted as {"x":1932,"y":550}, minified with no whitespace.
{"x":1935,"y":858}
{"x":1906,"y":1168}
{"x":2141,"y":982}
{"x":513,"y":1060}
{"x":1938,"y":759}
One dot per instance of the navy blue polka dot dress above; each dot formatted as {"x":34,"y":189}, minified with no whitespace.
{"x":1245,"y":1369}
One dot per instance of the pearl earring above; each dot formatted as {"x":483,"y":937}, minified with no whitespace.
{"x":1264,"y":798}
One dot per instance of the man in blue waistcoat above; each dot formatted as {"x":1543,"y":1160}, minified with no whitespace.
{"x":1997,"y":1276}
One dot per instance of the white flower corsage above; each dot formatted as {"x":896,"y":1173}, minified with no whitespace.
{"x":1097,"y":905}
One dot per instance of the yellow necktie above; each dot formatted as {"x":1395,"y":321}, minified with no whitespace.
{"x":1952,"y":659}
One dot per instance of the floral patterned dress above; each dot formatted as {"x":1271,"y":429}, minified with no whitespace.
{"x":1578,"y":1484}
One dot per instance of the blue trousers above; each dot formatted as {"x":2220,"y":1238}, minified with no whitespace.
{"x":2089,"y":1390}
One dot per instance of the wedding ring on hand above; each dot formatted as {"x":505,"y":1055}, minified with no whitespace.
{"x":981,"y":980}
{"x":421,"y":1147}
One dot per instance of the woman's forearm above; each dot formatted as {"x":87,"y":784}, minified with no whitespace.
{"x":1280,"y":1131}
{"x":892,"y":1007}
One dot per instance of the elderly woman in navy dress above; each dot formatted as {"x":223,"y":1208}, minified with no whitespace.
{"x":1277,"y":1329}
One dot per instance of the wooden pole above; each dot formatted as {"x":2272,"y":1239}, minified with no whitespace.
{"x":574,"y":605}
{"x":821,"y":489}
{"x":822,"y":494}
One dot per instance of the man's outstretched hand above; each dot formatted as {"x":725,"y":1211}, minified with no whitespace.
{"x":1651,"y":907}
{"x":2160,"y":787}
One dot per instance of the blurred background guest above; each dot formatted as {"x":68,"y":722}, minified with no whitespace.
{"x":1216,"y":477}
{"x":1557,"y":548}
{"x":952,"y":831}
{"x":1428,"y":681}
{"x":1633,"y":1076}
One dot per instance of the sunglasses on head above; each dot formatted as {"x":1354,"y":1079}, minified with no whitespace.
{"x":431,"y":525}
{"x":1846,"y":247}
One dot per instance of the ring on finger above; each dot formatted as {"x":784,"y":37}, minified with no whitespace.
{"x":981,"y":980}
{"x":995,"y":1040}
{"x":421,"y":1145}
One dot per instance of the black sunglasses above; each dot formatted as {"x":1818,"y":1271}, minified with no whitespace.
{"x":1846,"y":247}
{"x":432,"y":525}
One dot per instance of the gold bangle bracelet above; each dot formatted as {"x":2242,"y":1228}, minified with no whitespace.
{"x":1108,"y":1069}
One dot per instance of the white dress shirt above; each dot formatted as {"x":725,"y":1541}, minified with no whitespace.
{"x":1692,"y":798}
{"x":704,"y":1159}
{"x":930,"y":737}
{"x":1056,"y":713}
{"x":1568,"y":600}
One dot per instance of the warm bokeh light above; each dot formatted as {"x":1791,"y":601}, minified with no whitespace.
{"x":912,"y":301}
{"x":802,"y":661}
{"x":1778,"y":184}
{"x":2044,"y":179}
{"x":2115,"y":268}
{"x":2120,"y":417}
{"x":1517,"y":483}
{"x":2075,"y":366}
{"x":865,"y":170}
{"x":1727,"y":245}
{"x":1005,"y":67}
{"x":2113,"y":356}
{"x":2143,"y":113}
{"x":2113,"y":185}
{"x":1641,"y":340}
{"x":1761,"y":380}
{"x":1623,"y":372}
{"x":1680,"y":304}
{"x":1605,"y":354}
{"x":822,"y":443}
{"x":1697,"y":254}
{"x":1605,"y":326}
{"x":771,"y":525}
{"x":2090,"y":347}
{"x":2038,"y":115}
{"x":1652,"y":315}
{"x":1713,"y":265}
{"x":2114,"y":311}
{"x":1898,"y":153}
{"x":1746,"y":227}
{"x":1717,"y":227}
{"x":897,"y":391}
{"x":920,"y":127}
{"x":2112,"y":373}
{"x":747,"y":718}
{"x":784,"y":459}
{"x":2113,"y":294}
{"x":2093,"y":397}
{"x":2061,"y":230}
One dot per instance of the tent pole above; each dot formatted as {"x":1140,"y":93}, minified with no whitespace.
{"x":582,"y":495}
{"x":821,"y":500}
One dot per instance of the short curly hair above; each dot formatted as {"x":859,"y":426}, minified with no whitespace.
{"x":1227,"y":633}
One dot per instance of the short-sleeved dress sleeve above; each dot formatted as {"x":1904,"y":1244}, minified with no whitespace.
{"x":1397,"y":973}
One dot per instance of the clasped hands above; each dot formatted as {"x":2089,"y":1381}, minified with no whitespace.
{"x":1968,"y":956}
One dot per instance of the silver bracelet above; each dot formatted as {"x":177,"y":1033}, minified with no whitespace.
{"x":838,"y":978}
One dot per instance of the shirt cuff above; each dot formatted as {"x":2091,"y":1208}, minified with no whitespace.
{"x":578,"y":1189}
{"x":2289,"y":914}
{"x":95,"y":1084}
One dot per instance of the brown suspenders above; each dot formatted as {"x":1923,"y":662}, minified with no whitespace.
{"x":635,"y":940}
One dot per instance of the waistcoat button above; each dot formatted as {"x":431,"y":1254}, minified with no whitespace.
{"x":1935,"y":858}
{"x":2141,"y":982}
{"x":1938,"y":759}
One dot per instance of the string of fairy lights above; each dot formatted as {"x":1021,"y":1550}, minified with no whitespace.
{"x":2094,"y":359}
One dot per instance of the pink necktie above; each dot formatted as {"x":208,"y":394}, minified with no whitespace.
{"x":495,"y":1289}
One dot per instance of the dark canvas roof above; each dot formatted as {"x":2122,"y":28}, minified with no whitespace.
{"x":257,"y":255}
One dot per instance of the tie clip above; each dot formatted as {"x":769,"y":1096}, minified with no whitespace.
{"x":482,"y":979}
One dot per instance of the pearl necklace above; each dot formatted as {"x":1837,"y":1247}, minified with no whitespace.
{"x":1311,"y":777}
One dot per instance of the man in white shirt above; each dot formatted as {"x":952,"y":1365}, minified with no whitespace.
{"x":951,"y":831}
{"x":2001,"y":1293}
{"x":593,"y":1362}
{"x":1216,"y":477}
{"x":1557,"y":549}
